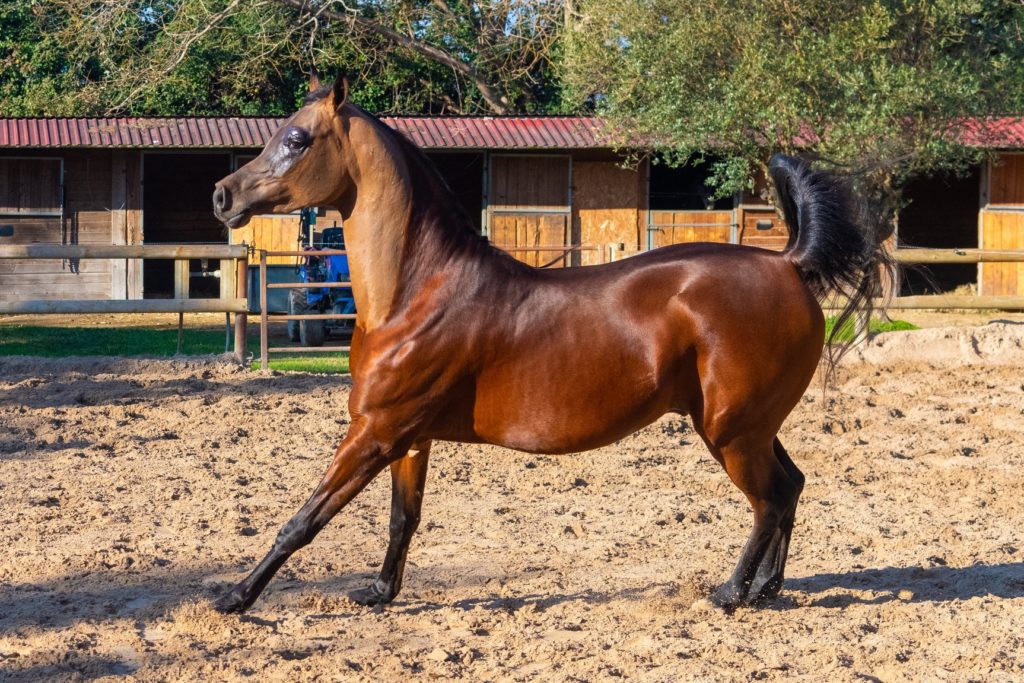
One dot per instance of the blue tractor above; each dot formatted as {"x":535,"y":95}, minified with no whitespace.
{"x":320,"y":300}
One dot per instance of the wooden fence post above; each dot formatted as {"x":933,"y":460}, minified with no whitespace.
{"x":241,"y":319}
{"x":264,"y":332}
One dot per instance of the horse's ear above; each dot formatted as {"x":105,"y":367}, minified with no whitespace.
{"x":314,"y":82}
{"x":340,"y":92}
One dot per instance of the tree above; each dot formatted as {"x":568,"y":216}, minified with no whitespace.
{"x":881,"y":89}
{"x":256,"y":56}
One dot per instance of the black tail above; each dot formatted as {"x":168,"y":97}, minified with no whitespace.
{"x":837,"y":251}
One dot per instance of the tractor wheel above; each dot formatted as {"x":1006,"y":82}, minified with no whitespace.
{"x":296,"y":306}
{"x":312,"y":332}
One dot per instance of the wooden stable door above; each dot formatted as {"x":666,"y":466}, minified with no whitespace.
{"x":529,"y":206}
{"x":272,"y":233}
{"x":679,"y":227}
{"x":1001,"y":229}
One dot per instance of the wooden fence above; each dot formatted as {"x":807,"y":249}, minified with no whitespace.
{"x":234,"y":281}
{"x":266,"y":318}
{"x":950,"y":256}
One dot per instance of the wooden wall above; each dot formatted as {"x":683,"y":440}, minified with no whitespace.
{"x":273,"y":233}
{"x":1000,"y":226}
{"x":774,"y":237}
{"x":88,"y":179}
{"x":607,"y":208}
{"x":678,"y":227}
{"x":1001,"y":230}
{"x":1006,"y":181}
{"x":529,"y":204}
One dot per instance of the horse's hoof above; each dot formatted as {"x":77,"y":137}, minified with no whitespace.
{"x":766,"y":592}
{"x":231,"y":603}
{"x":369,"y":596}
{"x":728,"y":597}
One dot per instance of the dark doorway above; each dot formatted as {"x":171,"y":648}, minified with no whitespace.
{"x":943,"y":213}
{"x":684,"y":188}
{"x":464,"y":174}
{"x":176,"y":209}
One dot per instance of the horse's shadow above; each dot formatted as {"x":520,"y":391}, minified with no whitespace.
{"x":911,"y":584}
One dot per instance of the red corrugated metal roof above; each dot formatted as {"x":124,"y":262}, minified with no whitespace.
{"x":429,"y":132}
{"x":996,"y":133}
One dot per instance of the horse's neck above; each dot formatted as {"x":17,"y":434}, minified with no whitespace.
{"x":391,"y":256}
{"x":375,"y":230}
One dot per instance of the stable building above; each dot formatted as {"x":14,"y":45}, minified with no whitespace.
{"x":533,"y":185}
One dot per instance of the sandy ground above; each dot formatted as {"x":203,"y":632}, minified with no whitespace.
{"x":132,"y":492}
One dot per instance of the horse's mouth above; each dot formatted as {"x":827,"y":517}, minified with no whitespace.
{"x":236,"y":221}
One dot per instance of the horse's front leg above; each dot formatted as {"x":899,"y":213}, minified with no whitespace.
{"x":408,"y":476}
{"x":359,"y":458}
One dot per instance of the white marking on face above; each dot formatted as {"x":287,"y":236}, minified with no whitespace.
{"x":289,"y":149}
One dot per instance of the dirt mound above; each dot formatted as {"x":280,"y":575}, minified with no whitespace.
{"x":998,"y":343}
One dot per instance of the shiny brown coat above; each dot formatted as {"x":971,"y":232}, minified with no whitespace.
{"x":458,"y":341}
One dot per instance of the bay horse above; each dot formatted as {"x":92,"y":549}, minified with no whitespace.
{"x":456,"y":340}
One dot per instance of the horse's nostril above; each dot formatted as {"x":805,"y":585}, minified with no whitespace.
{"x":220,"y":199}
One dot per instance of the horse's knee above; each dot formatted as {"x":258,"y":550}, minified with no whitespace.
{"x":293,"y":535}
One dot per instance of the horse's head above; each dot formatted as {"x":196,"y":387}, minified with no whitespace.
{"x":302,"y":165}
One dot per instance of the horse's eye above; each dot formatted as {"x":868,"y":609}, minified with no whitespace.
{"x":296,"y":139}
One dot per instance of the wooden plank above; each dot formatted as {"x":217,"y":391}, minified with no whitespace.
{"x":606,"y":204}
{"x":51,"y":267}
{"x":59,"y":292}
{"x":680,"y":227}
{"x":153,"y":251}
{"x":272,"y":233}
{"x":529,"y":182}
{"x":127,"y":306}
{"x":181,"y":279}
{"x":959,"y":255}
{"x":30,"y":186}
{"x":774,"y":238}
{"x":118,"y":224}
{"x":66,"y":279}
{"x":304,"y":285}
{"x":279,"y":317}
{"x":133,"y":220}
{"x":1007,"y":180}
{"x":1002,"y":230}
{"x":951,"y":301}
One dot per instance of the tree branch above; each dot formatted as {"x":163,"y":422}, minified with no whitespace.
{"x":495,"y":100}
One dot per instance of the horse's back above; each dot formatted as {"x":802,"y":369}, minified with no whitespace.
{"x":593,"y":354}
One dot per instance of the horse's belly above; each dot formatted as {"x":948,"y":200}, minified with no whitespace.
{"x":568,"y":412}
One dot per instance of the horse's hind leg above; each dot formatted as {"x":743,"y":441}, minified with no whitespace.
{"x":757,"y":471}
{"x":358,"y":460}
{"x":408,"y":476}
{"x":768,"y":582}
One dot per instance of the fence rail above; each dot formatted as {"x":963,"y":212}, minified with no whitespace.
{"x":232,"y":299}
{"x":266,"y":318}
{"x":954,"y":301}
{"x":132,"y":251}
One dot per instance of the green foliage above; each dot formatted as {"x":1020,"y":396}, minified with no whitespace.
{"x":255,"y":57}
{"x":60,"y":342}
{"x":332,"y":364}
{"x":846,"y":332}
{"x":879,"y":87}
{"x":53,"y":342}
